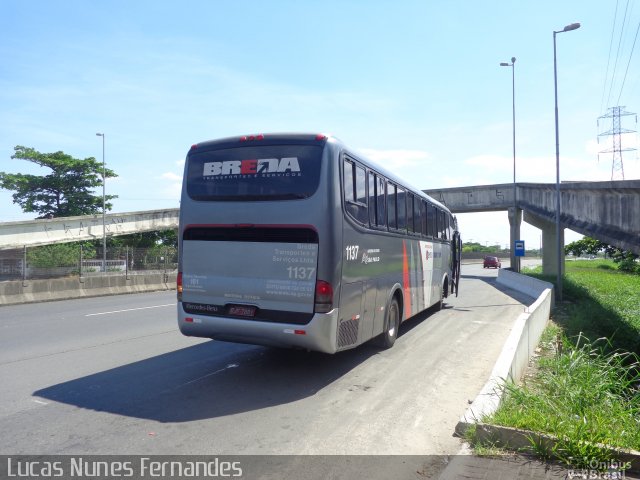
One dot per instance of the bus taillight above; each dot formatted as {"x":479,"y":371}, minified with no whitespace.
{"x":179,"y":286}
{"x":251,"y":138}
{"x":324,"y":297}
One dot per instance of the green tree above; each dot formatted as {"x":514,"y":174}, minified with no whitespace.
{"x":146,"y":239}
{"x":64,"y":192}
{"x":468,"y":247}
{"x":626,"y":260}
{"x":587,"y":245}
{"x":59,"y":254}
{"x":144,"y":247}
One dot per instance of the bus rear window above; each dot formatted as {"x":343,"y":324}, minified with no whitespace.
{"x":269,"y":172}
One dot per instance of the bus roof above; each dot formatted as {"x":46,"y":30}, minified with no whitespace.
{"x":263,"y":139}
{"x":306,"y":139}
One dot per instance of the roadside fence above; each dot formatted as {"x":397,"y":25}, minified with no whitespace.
{"x":73,"y":260}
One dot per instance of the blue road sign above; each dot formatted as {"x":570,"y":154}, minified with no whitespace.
{"x":519,"y":250}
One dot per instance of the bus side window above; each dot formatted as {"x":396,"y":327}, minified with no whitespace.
{"x":377,"y":213}
{"x":349,"y":189}
{"x":445,"y":218}
{"x":401,"y":204}
{"x":442,"y":229}
{"x":361,"y":187}
{"x":391,"y":206}
{"x":431,"y":221}
{"x":381,"y":202}
{"x":417,"y":215}
{"x":373,"y":205}
{"x":448,"y":222}
{"x":410,"y":215}
{"x":423,"y":218}
{"x":355,"y":191}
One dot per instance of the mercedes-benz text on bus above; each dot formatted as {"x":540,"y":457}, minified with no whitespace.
{"x":293,"y":240}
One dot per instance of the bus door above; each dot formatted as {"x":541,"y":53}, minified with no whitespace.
{"x":426,"y":251}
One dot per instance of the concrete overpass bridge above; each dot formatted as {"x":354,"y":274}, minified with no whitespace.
{"x":32,"y":233}
{"x":607,"y":211}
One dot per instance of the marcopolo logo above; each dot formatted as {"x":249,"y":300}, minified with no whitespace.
{"x":287,"y":165}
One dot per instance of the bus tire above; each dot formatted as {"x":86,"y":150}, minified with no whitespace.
{"x":391,"y":325}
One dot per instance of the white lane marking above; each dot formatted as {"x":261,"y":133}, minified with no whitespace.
{"x":41,"y":402}
{"x":130,"y":310}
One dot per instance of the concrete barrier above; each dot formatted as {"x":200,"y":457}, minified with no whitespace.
{"x":523,"y":283}
{"x":14,"y":292}
{"x":517,"y":350}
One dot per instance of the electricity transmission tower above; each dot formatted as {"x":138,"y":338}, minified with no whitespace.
{"x":615,"y":114}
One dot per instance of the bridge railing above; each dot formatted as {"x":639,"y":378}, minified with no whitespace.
{"x":73,"y":260}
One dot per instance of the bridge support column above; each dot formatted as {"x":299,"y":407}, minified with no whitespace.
{"x":549,"y":250}
{"x":515,"y":219}
{"x":549,"y":244}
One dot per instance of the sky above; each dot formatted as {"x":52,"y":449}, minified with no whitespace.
{"x":415,"y":85}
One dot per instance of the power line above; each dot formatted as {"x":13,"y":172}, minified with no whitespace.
{"x":628,"y":63}
{"x":615,"y":65}
{"x":606,"y":75}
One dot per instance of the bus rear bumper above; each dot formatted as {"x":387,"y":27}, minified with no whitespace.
{"x":318,"y":335}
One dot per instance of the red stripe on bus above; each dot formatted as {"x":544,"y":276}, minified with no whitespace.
{"x":406,"y":286}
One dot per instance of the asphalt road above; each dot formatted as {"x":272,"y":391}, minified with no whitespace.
{"x":113,"y":375}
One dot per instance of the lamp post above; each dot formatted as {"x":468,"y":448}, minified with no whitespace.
{"x":104,"y":230}
{"x":515,"y":261}
{"x":559,"y":246}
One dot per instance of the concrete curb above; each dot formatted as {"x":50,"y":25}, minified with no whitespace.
{"x":510,"y":365}
{"x":517,"y":350}
{"x":524,"y":440}
{"x":32,"y":291}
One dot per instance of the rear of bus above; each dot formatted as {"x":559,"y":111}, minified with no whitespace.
{"x":257,"y":253}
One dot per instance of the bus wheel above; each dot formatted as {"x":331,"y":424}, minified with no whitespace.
{"x":391,"y":326}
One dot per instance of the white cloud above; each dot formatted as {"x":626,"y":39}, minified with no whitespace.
{"x":491,"y":169}
{"x":491,"y":162}
{"x":592,"y":147}
{"x":396,"y":158}
{"x":173,"y":187}
{"x":174,"y":177}
{"x":173,"y":191}
{"x":603,"y":161}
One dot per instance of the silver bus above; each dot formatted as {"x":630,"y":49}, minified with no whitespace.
{"x":294,"y":240}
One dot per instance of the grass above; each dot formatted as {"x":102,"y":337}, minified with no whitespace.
{"x":585,"y":389}
{"x":585,"y":396}
{"x":599,"y":301}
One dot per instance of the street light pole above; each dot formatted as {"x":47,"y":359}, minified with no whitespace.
{"x":559,"y":246}
{"x":104,"y":230}
{"x":515,"y":261}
